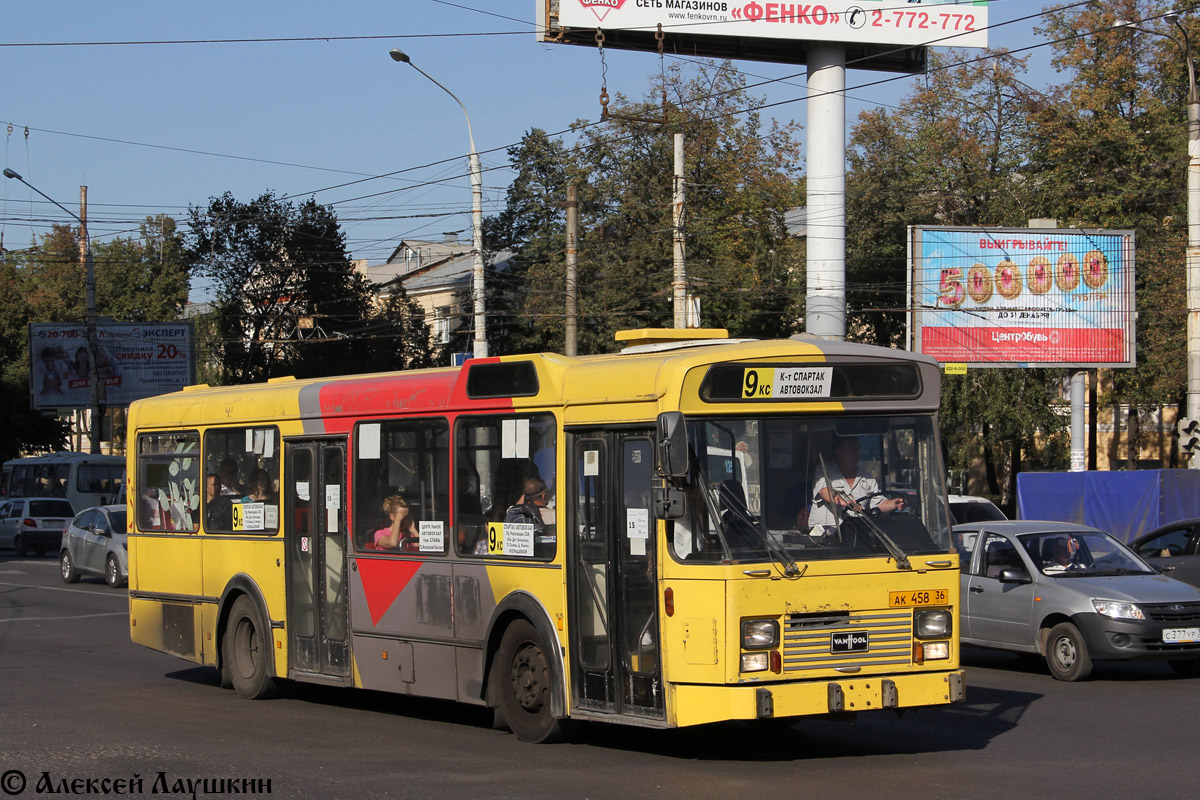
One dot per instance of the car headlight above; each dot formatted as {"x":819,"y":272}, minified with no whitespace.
{"x":759,"y":634}
{"x":933,"y":623}
{"x":1118,"y":609}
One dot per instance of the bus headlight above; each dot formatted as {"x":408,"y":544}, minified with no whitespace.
{"x":933,"y":623}
{"x":759,"y":634}
{"x":755,"y":662}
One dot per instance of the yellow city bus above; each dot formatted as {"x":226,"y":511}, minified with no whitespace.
{"x":683,"y":567}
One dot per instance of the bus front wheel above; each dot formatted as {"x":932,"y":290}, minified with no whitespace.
{"x":526,"y":690}
{"x":246,"y":651}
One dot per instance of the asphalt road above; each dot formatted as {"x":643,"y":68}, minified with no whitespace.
{"x":79,"y":703}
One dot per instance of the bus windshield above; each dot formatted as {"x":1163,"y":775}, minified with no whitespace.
{"x":795,"y":489}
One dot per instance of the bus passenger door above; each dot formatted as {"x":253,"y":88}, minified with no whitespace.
{"x":315,"y":525}
{"x":615,"y":654}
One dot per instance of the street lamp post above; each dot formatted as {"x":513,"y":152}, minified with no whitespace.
{"x":1193,"y":213}
{"x":480,"y":344}
{"x":90,"y":282}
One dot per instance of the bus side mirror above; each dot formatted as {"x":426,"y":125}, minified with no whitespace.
{"x":672,"y":445}
{"x":668,"y":502}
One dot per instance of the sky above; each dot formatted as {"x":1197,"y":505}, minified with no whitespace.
{"x":154,"y":109}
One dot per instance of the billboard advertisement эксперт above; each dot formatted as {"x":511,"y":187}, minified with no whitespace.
{"x":133,"y":360}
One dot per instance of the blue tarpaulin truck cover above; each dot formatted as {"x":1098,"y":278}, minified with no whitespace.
{"x":1126,"y":504}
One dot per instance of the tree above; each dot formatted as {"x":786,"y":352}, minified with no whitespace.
{"x":1111,"y":154}
{"x":21,"y":428}
{"x":953,"y":153}
{"x":741,"y":181}
{"x":287,"y":299}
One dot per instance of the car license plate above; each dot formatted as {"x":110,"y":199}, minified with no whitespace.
{"x":918,"y":597}
{"x":1181,"y":635}
{"x":849,"y":642}
{"x":56,"y":524}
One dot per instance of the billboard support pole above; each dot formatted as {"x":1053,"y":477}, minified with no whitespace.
{"x":1078,"y":417}
{"x":1193,"y":250}
{"x":825,"y":296}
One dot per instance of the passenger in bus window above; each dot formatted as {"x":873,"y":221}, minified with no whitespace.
{"x":230,"y":485}
{"x":218,"y":507}
{"x":533,"y":507}
{"x":261,"y":487}
{"x":840,"y":489}
{"x":401,"y":530}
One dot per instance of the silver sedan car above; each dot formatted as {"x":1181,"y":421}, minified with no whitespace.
{"x":1072,"y":594}
{"x":95,"y":544}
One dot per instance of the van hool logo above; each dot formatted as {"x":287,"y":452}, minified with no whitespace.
{"x":601,"y":7}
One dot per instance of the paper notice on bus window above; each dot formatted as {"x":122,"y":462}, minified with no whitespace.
{"x":637,"y":523}
{"x":637,"y":547}
{"x":368,"y":442}
{"x":331,"y":520}
{"x":249,"y":440}
{"x":514,"y":438}
{"x":302,"y":490}
{"x":518,"y":539}
{"x":260,"y":436}
{"x":432,"y":536}
{"x":271,"y":518}
{"x":333,"y":497}
{"x":253,"y":516}
{"x":591,"y":463}
{"x":269,"y":443}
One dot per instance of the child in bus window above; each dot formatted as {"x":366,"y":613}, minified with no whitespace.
{"x":401,"y":527}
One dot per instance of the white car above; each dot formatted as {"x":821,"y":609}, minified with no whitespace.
{"x":33,"y":523}
{"x":969,"y":508}
{"x":95,"y":544}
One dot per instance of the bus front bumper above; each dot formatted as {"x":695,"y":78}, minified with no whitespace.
{"x":697,"y":704}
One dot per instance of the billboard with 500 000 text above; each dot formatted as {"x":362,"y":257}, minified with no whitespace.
{"x":1023,"y":296}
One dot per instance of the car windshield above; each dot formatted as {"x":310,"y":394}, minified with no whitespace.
{"x":50,"y":508}
{"x":1081,"y":553}
{"x":975,"y":511}
{"x":792,"y":489}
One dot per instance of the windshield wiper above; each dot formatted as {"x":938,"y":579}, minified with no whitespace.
{"x":738,"y":510}
{"x":893,"y":549}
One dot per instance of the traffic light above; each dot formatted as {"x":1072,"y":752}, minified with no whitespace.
{"x":1189,"y":434}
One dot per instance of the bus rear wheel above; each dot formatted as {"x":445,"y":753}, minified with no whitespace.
{"x":526,"y":686}
{"x":246,"y":651}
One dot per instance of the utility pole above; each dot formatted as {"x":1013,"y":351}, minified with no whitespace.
{"x":97,"y":391}
{"x":679,"y":279}
{"x":570,"y":347}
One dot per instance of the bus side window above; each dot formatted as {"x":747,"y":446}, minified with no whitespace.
{"x":410,"y":459}
{"x":241,"y":480}
{"x":169,"y":481}
{"x":495,"y":455}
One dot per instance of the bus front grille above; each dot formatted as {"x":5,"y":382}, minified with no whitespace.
{"x":847,"y":640}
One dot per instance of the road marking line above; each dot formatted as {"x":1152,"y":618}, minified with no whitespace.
{"x":124,"y":597}
{"x":75,"y":616}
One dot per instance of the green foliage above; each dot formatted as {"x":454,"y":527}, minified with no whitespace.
{"x":740,"y":181}
{"x":287,"y":300}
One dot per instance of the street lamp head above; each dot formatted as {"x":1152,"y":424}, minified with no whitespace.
{"x":8,"y":173}
{"x":1171,"y":17}
{"x":399,"y":55}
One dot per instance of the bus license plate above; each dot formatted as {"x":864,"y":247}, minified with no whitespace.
{"x":918,"y":597}
{"x":1181,"y":635}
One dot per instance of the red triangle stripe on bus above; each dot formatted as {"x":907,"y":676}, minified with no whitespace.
{"x":383,"y":580}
